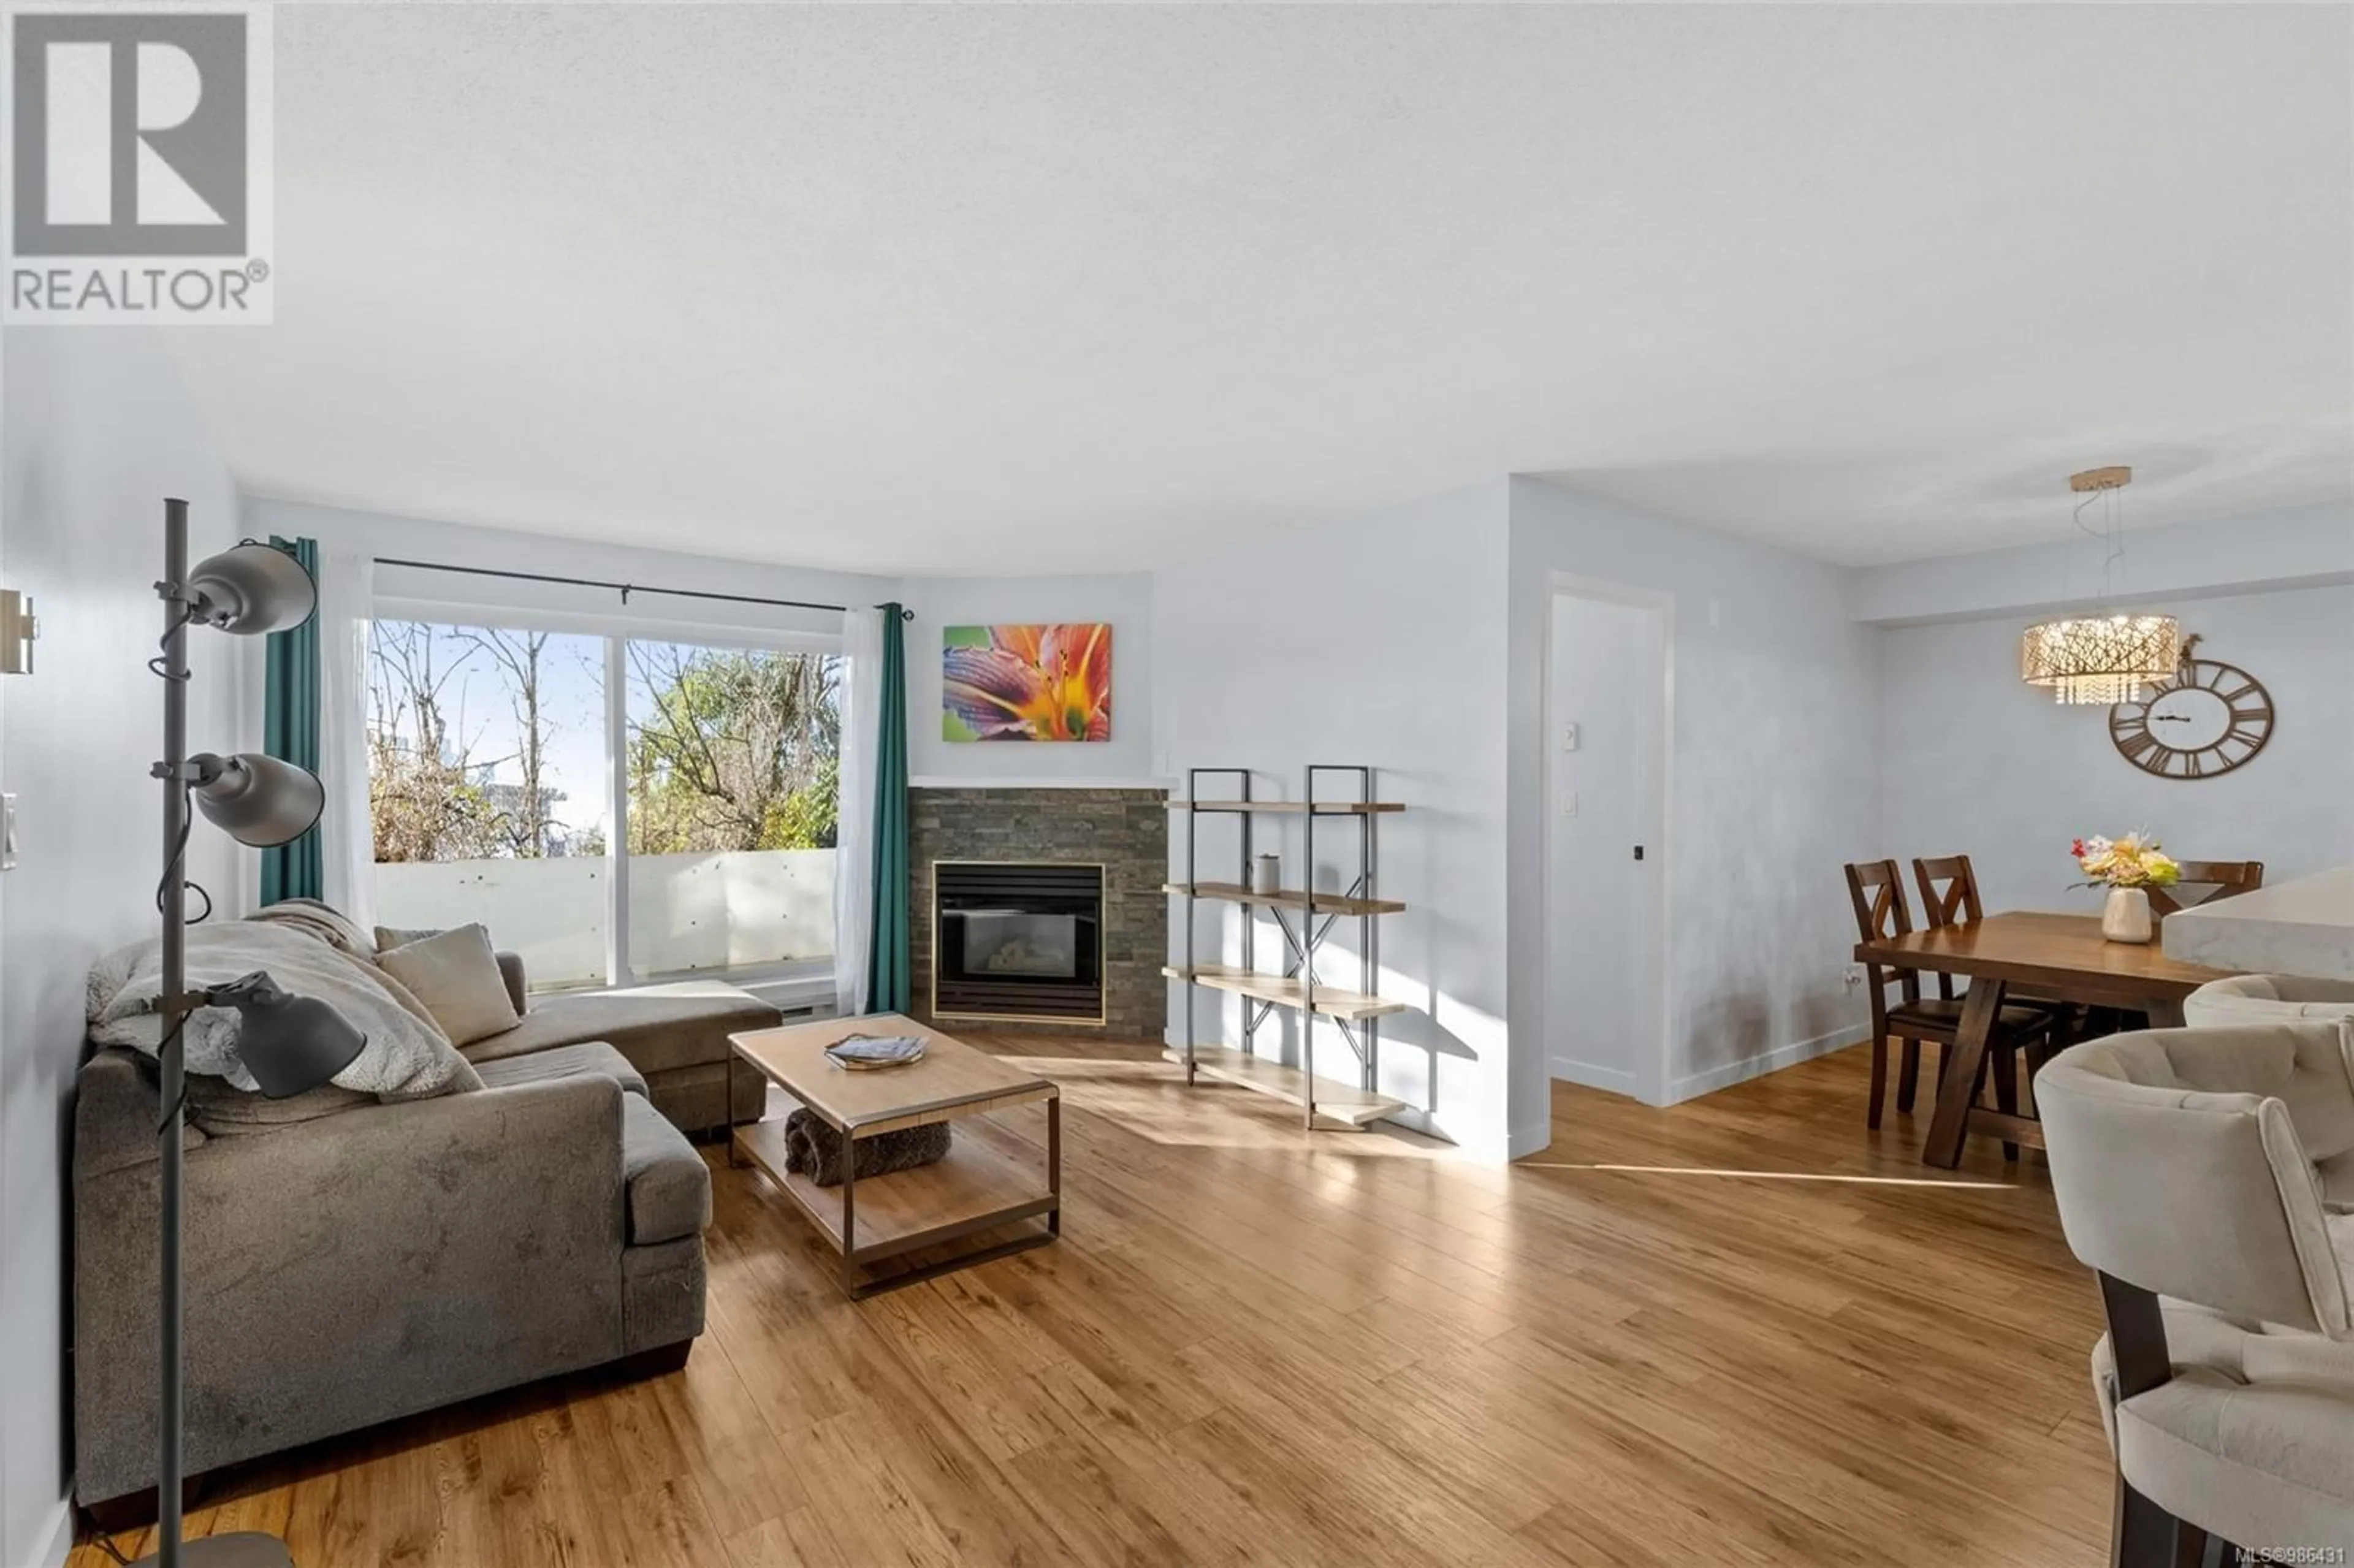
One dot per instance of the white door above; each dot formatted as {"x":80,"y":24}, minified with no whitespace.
{"x":1605,"y":776}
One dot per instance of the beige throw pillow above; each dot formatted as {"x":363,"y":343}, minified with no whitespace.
{"x":391,"y":937}
{"x":456,"y":976}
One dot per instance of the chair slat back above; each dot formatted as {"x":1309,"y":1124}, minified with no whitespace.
{"x":2223,"y":878}
{"x":1949,"y":889}
{"x":1876,"y":889}
{"x":1950,"y":897}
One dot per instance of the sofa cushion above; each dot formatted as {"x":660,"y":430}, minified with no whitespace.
{"x":660,"y":1028}
{"x":456,"y":976}
{"x":565,"y":1061}
{"x":224,"y":1110}
{"x":669,"y":1186}
{"x":2256,"y":1460}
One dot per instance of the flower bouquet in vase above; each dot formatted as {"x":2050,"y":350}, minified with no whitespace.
{"x":2128,"y":867}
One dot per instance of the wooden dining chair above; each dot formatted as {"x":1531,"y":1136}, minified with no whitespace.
{"x":2225,"y":878}
{"x":1876,"y":889}
{"x":1950,"y":897}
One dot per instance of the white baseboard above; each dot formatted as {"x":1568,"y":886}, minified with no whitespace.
{"x":1693,"y":1085}
{"x":1616,"y":1080}
{"x":1523,"y":1141}
{"x":60,"y":1538}
{"x":791,"y":993}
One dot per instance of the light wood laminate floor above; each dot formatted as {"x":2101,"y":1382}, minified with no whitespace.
{"x":1741,"y":1331}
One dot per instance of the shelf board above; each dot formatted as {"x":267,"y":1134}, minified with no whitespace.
{"x":1339,"y":1102}
{"x":1291,"y":808}
{"x":974,"y":1182}
{"x":1337,"y":903}
{"x":1331,"y":1002}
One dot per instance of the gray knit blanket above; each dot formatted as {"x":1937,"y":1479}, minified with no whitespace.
{"x":407,"y":1056}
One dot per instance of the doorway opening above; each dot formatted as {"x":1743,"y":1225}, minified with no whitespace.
{"x":1607,"y":714}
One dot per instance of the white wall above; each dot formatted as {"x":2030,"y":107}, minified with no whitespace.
{"x":1126,"y":759}
{"x":1979,"y":764}
{"x":1772,"y":776}
{"x":98,"y":430}
{"x":2301,"y":544}
{"x":419,"y":539}
{"x":1378,"y":641}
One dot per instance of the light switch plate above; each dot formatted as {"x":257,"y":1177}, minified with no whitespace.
{"x":1569,"y":737}
{"x":8,"y":833}
{"x":1568,"y":808}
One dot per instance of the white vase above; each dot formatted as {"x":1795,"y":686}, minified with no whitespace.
{"x":1266,"y":874}
{"x":2125,"y":918}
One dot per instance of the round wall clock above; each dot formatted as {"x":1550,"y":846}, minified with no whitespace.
{"x":2208,"y":719}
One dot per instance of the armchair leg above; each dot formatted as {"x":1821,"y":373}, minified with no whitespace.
{"x":2144,"y":1535}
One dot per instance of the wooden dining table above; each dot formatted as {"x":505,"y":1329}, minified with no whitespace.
{"x":2051,"y":958}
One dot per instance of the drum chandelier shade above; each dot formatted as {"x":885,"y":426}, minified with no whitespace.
{"x":2101,"y":660}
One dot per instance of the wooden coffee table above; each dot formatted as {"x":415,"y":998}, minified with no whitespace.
{"x":870,"y":1222}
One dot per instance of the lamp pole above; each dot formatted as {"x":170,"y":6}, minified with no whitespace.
{"x":243,"y":1549}
{"x":172,"y":1058}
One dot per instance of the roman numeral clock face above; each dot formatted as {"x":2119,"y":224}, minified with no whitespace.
{"x":2210,"y":718}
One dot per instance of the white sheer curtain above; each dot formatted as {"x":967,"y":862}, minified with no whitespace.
{"x":854,"y":842}
{"x":346,"y":836}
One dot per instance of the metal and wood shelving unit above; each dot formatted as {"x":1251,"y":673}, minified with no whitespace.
{"x":1324,"y":1102}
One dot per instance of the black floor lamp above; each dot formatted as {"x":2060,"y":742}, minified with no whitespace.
{"x":289,"y":1043}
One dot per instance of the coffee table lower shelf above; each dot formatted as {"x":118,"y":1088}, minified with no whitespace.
{"x":974,"y":1189}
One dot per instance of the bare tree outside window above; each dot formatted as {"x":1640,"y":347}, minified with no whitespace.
{"x":517,"y":657}
{"x":452,"y":777}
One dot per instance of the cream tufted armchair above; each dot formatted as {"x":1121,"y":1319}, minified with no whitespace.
{"x":2266,"y":998}
{"x":2181,"y":1161}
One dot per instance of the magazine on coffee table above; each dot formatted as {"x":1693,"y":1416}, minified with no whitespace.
{"x":869,"y":1053}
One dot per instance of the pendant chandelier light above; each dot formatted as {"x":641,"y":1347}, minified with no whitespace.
{"x":2101,"y":659}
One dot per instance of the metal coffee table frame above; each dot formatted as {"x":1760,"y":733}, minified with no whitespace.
{"x":855,"y":1260}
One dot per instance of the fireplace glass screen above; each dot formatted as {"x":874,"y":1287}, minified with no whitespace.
{"x":1018,"y":941}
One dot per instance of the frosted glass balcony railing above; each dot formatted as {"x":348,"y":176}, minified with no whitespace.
{"x":689,"y":913}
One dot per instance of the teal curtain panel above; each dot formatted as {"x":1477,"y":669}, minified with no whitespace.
{"x":890,"y":975}
{"x":291,"y":730}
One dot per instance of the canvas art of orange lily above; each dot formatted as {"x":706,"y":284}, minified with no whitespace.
{"x":1050,"y":682}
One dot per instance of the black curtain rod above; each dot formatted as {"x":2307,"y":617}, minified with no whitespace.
{"x":624,"y":589}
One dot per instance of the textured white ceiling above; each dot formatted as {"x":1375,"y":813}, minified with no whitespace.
{"x":1058,"y":289}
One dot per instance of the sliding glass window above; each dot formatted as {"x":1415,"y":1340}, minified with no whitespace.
{"x":494,"y":754}
{"x":731,"y":781}
{"x":488,"y":786}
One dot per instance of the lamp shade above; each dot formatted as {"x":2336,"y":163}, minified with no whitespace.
{"x":290,"y":1043}
{"x":256,"y":800}
{"x":251,"y":589}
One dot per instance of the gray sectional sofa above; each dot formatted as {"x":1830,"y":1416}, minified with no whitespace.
{"x":350,"y":1262}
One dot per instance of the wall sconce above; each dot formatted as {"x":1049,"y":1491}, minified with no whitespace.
{"x":17,"y":629}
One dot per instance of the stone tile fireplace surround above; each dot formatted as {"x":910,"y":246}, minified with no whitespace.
{"x":1124,"y":831}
